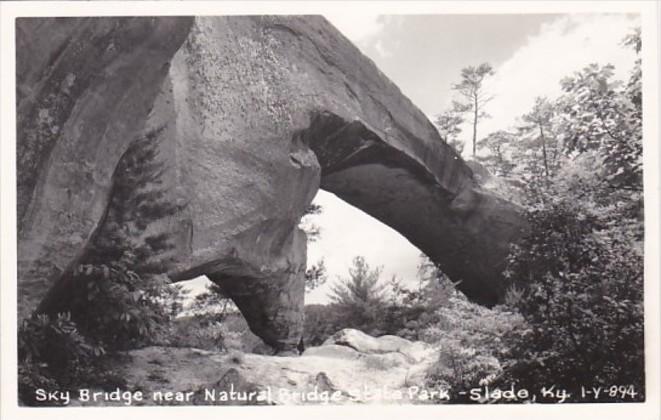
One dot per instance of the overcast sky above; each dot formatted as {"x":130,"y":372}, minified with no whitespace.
{"x":424,"y":55}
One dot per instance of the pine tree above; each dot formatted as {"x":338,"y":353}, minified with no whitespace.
{"x":361,"y":296}
{"x":471,"y":88}
{"x":121,"y":296}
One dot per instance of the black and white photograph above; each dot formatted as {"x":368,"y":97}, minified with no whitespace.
{"x":347,"y":206}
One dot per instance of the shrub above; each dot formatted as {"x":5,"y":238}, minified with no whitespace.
{"x":118,"y":307}
{"x":460,"y":368}
{"x":583,"y":303}
{"x":469,"y":342}
{"x":321,"y":321}
{"x":52,"y":355}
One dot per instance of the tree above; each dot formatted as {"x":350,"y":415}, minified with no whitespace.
{"x":411,"y":310}
{"x":120,"y":292}
{"x":580,"y":267}
{"x":360,"y":296}
{"x":600,"y":114}
{"x":449,"y":124}
{"x":537,"y":131}
{"x":213,"y":303}
{"x":315,"y":275}
{"x":497,"y":160}
{"x":471,"y":88}
{"x":583,"y":303}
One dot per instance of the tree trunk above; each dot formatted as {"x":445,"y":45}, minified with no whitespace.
{"x":475,"y":111}
{"x":546,"y":165}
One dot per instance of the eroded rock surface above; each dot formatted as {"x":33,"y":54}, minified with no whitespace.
{"x":370,"y":377}
{"x":85,"y":87}
{"x":252,"y":116}
{"x":365,"y":343}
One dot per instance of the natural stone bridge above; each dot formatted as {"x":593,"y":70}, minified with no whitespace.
{"x":253,"y":115}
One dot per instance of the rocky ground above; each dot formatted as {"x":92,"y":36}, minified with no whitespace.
{"x":350,"y":367}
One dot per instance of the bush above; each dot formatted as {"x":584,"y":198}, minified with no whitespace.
{"x":460,"y":368}
{"x":206,"y":331}
{"x":118,"y":307}
{"x":321,"y":321}
{"x":583,"y":302}
{"x":469,"y":339}
{"x":409,"y":312}
{"x":52,"y":355}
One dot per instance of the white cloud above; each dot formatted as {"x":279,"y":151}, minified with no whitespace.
{"x":381,"y":49}
{"x":358,"y":28}
{"x":364,"y":30}
{"x":562,"y":47}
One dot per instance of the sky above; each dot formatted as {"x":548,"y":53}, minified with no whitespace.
{"x":424,"y":55}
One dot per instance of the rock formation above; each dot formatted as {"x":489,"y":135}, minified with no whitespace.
{"x":252,"y":116}
{"x":367,"y":376}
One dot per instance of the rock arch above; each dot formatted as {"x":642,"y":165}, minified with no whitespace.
{"x":253,"y":115}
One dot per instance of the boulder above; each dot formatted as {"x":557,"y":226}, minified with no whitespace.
{"x":386,"y":344}
{"x":333,"y":351}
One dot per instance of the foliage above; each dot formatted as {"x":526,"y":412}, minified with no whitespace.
{"x":470,"y":341}
{"x":117,"y":307}
{"x":213,"y":303}
{"x":359,"y":297}
{"x":366,"y":303}
{"x":321,"y":321}
{"x":410,"y":311}
{"x":583,"y":302}
{"x":597,"y":113}
{"x":52,"y":355}
{"x":460,"y":368}
{"x":120,"y":294}
{"x":138,"y":201}
{"x":315,"y":275}
{"x":578,"y":274}
{"x":198,"y":332}
{"x":497,"y":160}
{"x":449,"y":124}
{"x":206,"y":331}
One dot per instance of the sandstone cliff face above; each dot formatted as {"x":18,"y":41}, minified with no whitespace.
{"x":84,"y":89}
{"x":252,"y":115}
